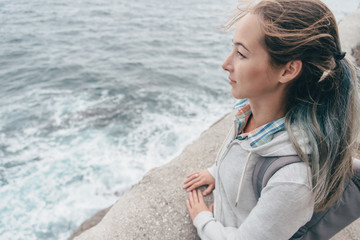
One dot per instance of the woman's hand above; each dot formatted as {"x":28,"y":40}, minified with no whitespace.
{"x":198,"y":179}
{"x":195,"y":204}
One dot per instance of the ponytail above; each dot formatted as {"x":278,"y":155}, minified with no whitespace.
{"x":329,"y":118}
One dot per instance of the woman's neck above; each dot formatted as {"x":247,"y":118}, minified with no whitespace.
{"x":264,"y":111}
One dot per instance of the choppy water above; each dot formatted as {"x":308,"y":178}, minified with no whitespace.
{"x":94,"y":94}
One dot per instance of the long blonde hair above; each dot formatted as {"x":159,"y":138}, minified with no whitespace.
{"x":324,"y":99}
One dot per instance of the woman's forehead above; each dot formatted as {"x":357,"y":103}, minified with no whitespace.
{"x":248,"y":32}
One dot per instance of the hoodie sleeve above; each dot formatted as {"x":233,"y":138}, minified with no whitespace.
{"x":208,"y":228}
{"x":212,"y":170}
{"x":284,"y":206}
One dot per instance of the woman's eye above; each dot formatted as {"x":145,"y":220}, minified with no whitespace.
{"x":239,"y":53}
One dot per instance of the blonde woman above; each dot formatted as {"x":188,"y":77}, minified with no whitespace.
{"x":298,"y":96}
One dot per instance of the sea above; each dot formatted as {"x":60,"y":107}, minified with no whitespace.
{"x":95,"y":93}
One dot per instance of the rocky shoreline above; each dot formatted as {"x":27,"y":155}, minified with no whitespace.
{"x":155,"y":207}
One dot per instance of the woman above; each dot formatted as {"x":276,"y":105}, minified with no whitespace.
{"x":298,"y":97}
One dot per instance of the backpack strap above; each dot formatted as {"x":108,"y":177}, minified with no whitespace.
{"x":266,"y":167}
{"x":324,"y":224}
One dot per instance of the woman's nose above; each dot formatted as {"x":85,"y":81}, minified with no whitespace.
{"x":227,"y":64}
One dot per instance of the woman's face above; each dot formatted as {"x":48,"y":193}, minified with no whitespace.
{"x":250,"y":72}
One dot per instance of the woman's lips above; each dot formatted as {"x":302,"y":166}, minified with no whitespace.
{"x":231,"y":81}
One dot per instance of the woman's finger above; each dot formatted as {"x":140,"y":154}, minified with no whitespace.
{"x":200,"y":196}
{"x":194,"y":186}
{"x":195,"y":197}
{"x":188,"y":205}
{"x":193,"y":173}
{"x":192,"y":182}
{"x":191,"y":199}
{"x":188,"y":179}
{"x":197,"y":180}
{"x":192,"y":177}
{"x":208,"y":189}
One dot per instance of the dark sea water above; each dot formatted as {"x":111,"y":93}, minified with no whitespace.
{"x":95,"y":93}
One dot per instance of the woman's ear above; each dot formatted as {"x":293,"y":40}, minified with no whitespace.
{"x":291,"y":71}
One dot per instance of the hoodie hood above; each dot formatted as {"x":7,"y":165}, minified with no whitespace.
{"x":279,"y":146}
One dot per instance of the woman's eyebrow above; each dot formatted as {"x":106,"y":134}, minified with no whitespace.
{"x":242,"y":45}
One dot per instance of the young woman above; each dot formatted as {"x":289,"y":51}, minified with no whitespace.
{"x":298,"y":96}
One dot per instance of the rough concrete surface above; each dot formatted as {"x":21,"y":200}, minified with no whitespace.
{"x":155,"y":207}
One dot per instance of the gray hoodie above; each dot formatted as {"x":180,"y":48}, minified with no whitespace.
{"x":286,"y":203}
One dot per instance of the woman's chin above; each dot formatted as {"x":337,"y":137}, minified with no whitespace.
{"x":237,"y":95}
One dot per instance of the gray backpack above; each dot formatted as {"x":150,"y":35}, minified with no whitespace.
{"x":325,"y":224}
